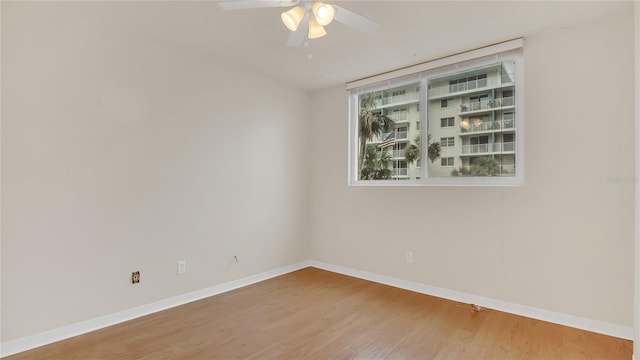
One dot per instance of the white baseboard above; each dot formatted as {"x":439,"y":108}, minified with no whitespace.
{"x":600,"y":327}
{"x":30,"y":342}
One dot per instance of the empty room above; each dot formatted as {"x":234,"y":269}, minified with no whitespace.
{"x":257,"y":179}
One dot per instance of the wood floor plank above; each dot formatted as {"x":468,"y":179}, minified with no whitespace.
{"x":316,"y":314}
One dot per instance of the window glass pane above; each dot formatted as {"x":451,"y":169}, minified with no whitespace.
{"x":388,"y":148}
{"x":483,"y":144}
{"x":448,"y":125}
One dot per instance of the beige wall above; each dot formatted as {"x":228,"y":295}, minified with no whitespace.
{"x":562,"y":242}
{"x":120,"y":154}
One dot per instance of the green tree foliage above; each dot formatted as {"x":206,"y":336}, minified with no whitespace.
{"x":483,"y":166}
{"x":375,"y":164}
{"x":370,"y":123}
{"x":413,"y":151}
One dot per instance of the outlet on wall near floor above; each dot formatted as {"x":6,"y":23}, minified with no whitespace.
{"x":182,"y":267}
{"x":408,"y":256}
{"x":135,"y":277}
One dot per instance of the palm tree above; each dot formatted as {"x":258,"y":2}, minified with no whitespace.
{"x":433,"y":150}
{"x":370,"y":124}
{"x":375,"y":164}
{"x":413,"y":151}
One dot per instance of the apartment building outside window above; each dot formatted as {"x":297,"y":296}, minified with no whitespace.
{"x":470,"y":119}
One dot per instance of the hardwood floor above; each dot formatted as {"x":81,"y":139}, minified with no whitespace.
{"x":315,"y":314}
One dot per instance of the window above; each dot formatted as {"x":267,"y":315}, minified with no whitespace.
{"x":468,"y":83}
{"x":445,"y":103}
{"x":508,"y":142}
{"x":402,"y":132}
{"x":447,"y":141}
{"x":398,"y":150}
{"x":478,"y":144}
{"x":478,"y":102}
{"x":507,"y":98}
{"x":399,"y":114}
{"x":400,"y":169}
{"x":482,"y":80}
{"x":447,"y":122}
{"x":468,"y":113}
{"x":446,"y":161}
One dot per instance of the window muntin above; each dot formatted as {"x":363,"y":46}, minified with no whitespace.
{"x":478,"y":143}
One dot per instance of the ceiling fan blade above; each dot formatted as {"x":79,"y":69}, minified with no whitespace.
{"x":355,"y":21}
{"x":297,"y":37}
{"x":255,"y":4}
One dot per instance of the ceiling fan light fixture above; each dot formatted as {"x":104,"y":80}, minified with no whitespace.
{"x":323,"y":13}
{"x":292,"y":18}
{"x":316,"y":30}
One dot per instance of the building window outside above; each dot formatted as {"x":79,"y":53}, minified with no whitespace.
{"x":481,"y":149}
{"x":445,"y":103}
{"x":446,"y":161}
{"x":447,"y":142}
{"x":400,"y":169}
{"x":447,"y":122}
{"x":401,"y":114}
{"x":398,"y":150}
{"x":402,"y":132}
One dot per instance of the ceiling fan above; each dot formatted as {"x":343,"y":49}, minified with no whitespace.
{"x":307,"y":18}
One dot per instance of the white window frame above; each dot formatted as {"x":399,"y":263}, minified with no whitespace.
{"x":508,"y":50}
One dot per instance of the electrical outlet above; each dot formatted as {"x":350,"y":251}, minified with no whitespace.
{"x":135,"y":277}
{"x":182,"y":267}
{"x":408,"y":256}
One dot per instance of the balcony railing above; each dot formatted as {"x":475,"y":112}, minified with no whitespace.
{"x":399,"y":117}
{"x":398,"y":153}
{"x":400,"y":99}
{"x":402,"y":135}
{"x":487,"y":126}
{"x":500,"y":147}
{"x":468,"y":85}
{"x":444,"y":89}
{"x":485,"y":104}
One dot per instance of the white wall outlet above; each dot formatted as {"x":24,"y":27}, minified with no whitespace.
{"x":182,"y":267}
{"x":408,"y":256}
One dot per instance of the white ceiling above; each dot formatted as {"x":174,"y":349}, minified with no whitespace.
{"x":411,"y":32}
